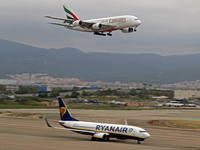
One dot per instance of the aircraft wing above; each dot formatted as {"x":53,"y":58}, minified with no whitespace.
{"x":84,"y":132}
{"x":74,"y":130}
{"x":89,"y":26}
{"x":85,"y":24}
{"x":64,"y":25}
{"x":65,"y":20}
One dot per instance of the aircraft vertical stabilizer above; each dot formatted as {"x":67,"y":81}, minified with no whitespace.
{"x":64,"y":113}
{"x":69,"y":12}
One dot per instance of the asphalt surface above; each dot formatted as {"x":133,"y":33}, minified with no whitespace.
{"x":33,"y":134}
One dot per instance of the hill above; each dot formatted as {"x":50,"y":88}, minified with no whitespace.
{"x":16,"y":58}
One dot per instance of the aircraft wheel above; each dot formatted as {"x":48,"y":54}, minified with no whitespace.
{"x":106,"y":138}
{"x":138,"y":142}
{"x":93,"y":139}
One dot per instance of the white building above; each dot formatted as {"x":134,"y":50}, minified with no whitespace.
{"x":186,"y":94}
{"x":8,"y":82}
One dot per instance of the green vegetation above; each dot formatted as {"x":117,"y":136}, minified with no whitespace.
{"x":27,"y":90}
{"x":43,"y":98}
{"x":22,"y":102}
{"x":2,"y":87}
{"x":19,"y":106}
{"x":139,"y":94}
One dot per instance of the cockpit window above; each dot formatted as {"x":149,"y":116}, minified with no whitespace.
{"x":136,"y":19}
{"x":142,"y":131}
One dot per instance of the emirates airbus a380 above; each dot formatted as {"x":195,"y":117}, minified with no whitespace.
{"x":125,"y":23}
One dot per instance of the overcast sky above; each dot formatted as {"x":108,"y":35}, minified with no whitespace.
{"x":169,"y":27}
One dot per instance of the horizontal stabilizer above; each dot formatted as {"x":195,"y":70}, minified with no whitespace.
{"x":55,"y":18}
{"x":56,"y":127}
{"x":65,"y":20}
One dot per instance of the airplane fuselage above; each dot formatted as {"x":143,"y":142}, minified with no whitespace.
{"x":113,"y":130}
{"x":125,"y":23}
{"x":119,"y":22}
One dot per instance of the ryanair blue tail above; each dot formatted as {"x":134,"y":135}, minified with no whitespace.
{"x":64,"y":113}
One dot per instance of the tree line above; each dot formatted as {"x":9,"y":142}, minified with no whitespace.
{"x":86,"y":92}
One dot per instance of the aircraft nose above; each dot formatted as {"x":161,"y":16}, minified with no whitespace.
{"x":147,"y":135}
{"x":139,"y":22}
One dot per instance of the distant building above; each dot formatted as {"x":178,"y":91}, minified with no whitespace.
{"x":8,"y":82}
{"x":140,"y":104}
{"x":54,"y":103}
{"x":160,"y":97}
{"x":12,"y":88}
{"x":11,"y":85}
{"x":186,"y":94}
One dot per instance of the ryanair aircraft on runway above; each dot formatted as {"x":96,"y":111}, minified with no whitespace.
{"x":101,"y":131}
{"x":126,"y":23}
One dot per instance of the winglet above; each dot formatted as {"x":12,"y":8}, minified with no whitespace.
{"x":125,"y":122}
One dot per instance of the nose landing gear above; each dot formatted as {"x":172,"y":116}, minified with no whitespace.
{"x":139,"y":140}
{"x":109,"y":34}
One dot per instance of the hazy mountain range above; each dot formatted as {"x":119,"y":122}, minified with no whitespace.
{"x":16,"y":58}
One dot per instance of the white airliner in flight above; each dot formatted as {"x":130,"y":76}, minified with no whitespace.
{"x":126,"y":23}
{"x":101,"y":131}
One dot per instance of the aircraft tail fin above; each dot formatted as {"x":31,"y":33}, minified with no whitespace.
{"x":64,"y":112}
{"x":69,"y":13}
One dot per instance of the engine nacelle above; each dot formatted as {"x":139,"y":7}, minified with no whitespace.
{"x":97,"y":26}
{"x":127,"y":30}
{"x":77,"y":23}
{"x":103,"y":136}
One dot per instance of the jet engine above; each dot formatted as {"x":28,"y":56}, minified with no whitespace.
{"x":97,"y":26}
{"x":103,"y":136}
{"x":77,"y":23}
{"x":127,"y":30}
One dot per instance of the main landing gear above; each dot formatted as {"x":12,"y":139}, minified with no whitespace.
{"x":93,"y":138}
{"x":109,"y":34}
{"x":98,"y":33}
{"x":105,"y":138}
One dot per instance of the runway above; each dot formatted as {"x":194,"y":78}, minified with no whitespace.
{"x":33,"y":134}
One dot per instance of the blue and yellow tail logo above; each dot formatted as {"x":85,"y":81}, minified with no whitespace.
{"x":63,"y":110}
